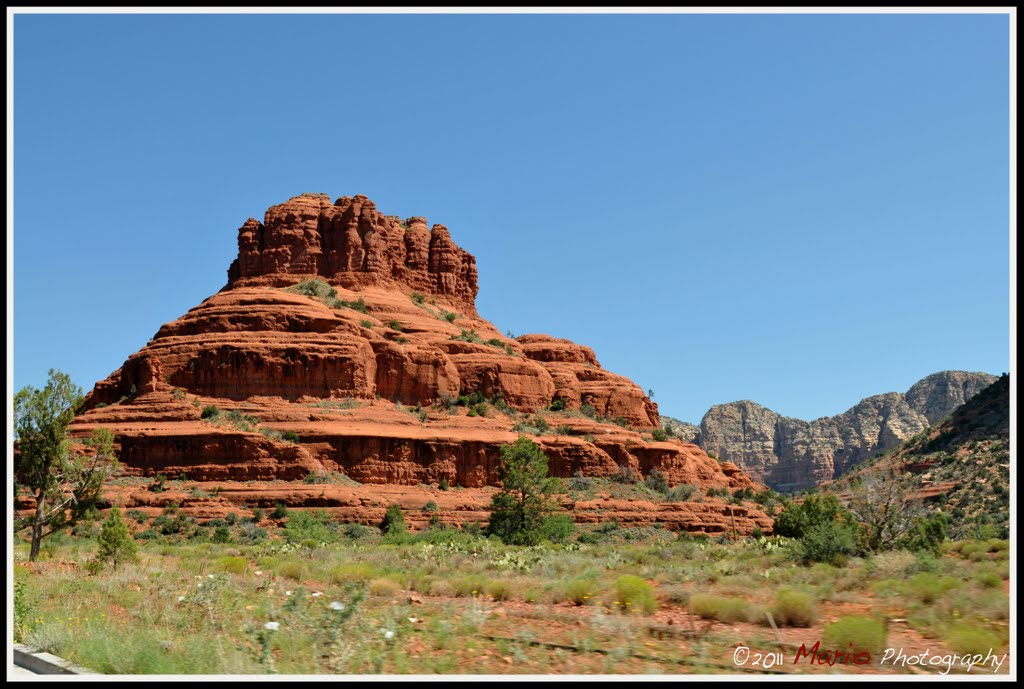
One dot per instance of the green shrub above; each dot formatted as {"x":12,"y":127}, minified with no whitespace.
{"x":366,"y":323}
{"x":680,"y":493}
{"x":257,"y":514}
{"x":468,"y":336}
{"x":357,"y":305}
{"x":743,"y":494}
{"x":418,"y":298}
{"x":221,"y":534}
{"x":243,"y":422}
{"x":431,"y":506}
{"x":830,"y":542}
{"x":250,"y":534}
{"x":826,"y":531}
{"x":314,"y":287}
{"x":588,"y":410}
{"x":158,"y":484}
{"x":210,"y":411}
{"x":581,"y":590}
{"x":358,"y":532}
{"x":86,"y":529}
{"x":314,"y":478}
{"x":443,"y":484}
{"x":280,"y":511}
{"x":633,"y":593}
{"x":558,"y":528}
{"x":926,"y":534}
{"x":230,"y":519}
{"x":856,"y":633}
{"x":557,"y":404}
{"x":168,"y":525}
{"x":676,"y":594}
{"x":472,"y":585}
{"x":794,"y":608}
{"x":315,"y":527}
{"x":995,"y":545}
{"x":291,"y":437}
{"x":232,"y":564}
{"x":929,"y":588}
{"x":116,"y":546}
{"x":393,"y":523}
{"x":766,"y":497}
{"x":384,"y":587}
{"x":21,"y":609}
{"x":291,"y":569}
{"x":356,"y":571}
{"x":626,"y":474}
{"x":498,"y":589}
{"x":972,"y":640}
{"x":657,"y":481}
{"x":988,"y":578}
{"x":722,"y":608}
{"x":449,"y":316}
{"x":395,"y":325}
{"x":580,"y":482}
{"x":138,"y":515}
{"x":659,"y":434}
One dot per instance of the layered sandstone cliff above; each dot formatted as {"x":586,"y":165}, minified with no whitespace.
{"x":791,"y":454}
{"x":342,"y":343}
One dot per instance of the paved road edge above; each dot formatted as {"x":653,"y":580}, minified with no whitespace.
{"x":46,"y":663}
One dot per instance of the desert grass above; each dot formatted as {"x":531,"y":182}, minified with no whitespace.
{"x":458,"y":603}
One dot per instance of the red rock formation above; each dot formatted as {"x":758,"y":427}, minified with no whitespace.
{"x":368,"y":390}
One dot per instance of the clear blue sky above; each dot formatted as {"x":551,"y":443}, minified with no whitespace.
{"x":798,"y":210}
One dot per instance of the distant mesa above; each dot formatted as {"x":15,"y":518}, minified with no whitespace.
{"x":790,"y":454}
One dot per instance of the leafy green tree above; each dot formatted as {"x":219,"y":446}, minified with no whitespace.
{"x":116,"y":544}
{"x":830,"y":542}
{"x":519,"y":510}
{"x":826,"y":531}
{"x":65,"y":484}
{"x":926,"y":533}
{"x":796,"y":519}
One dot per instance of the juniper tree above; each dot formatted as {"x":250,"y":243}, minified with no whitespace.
{"x":519,"y":510}
{"x":116,"y":544}
{"x":65,"y":484}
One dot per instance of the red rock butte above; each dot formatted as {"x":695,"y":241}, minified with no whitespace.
{"x":358,"y":371}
